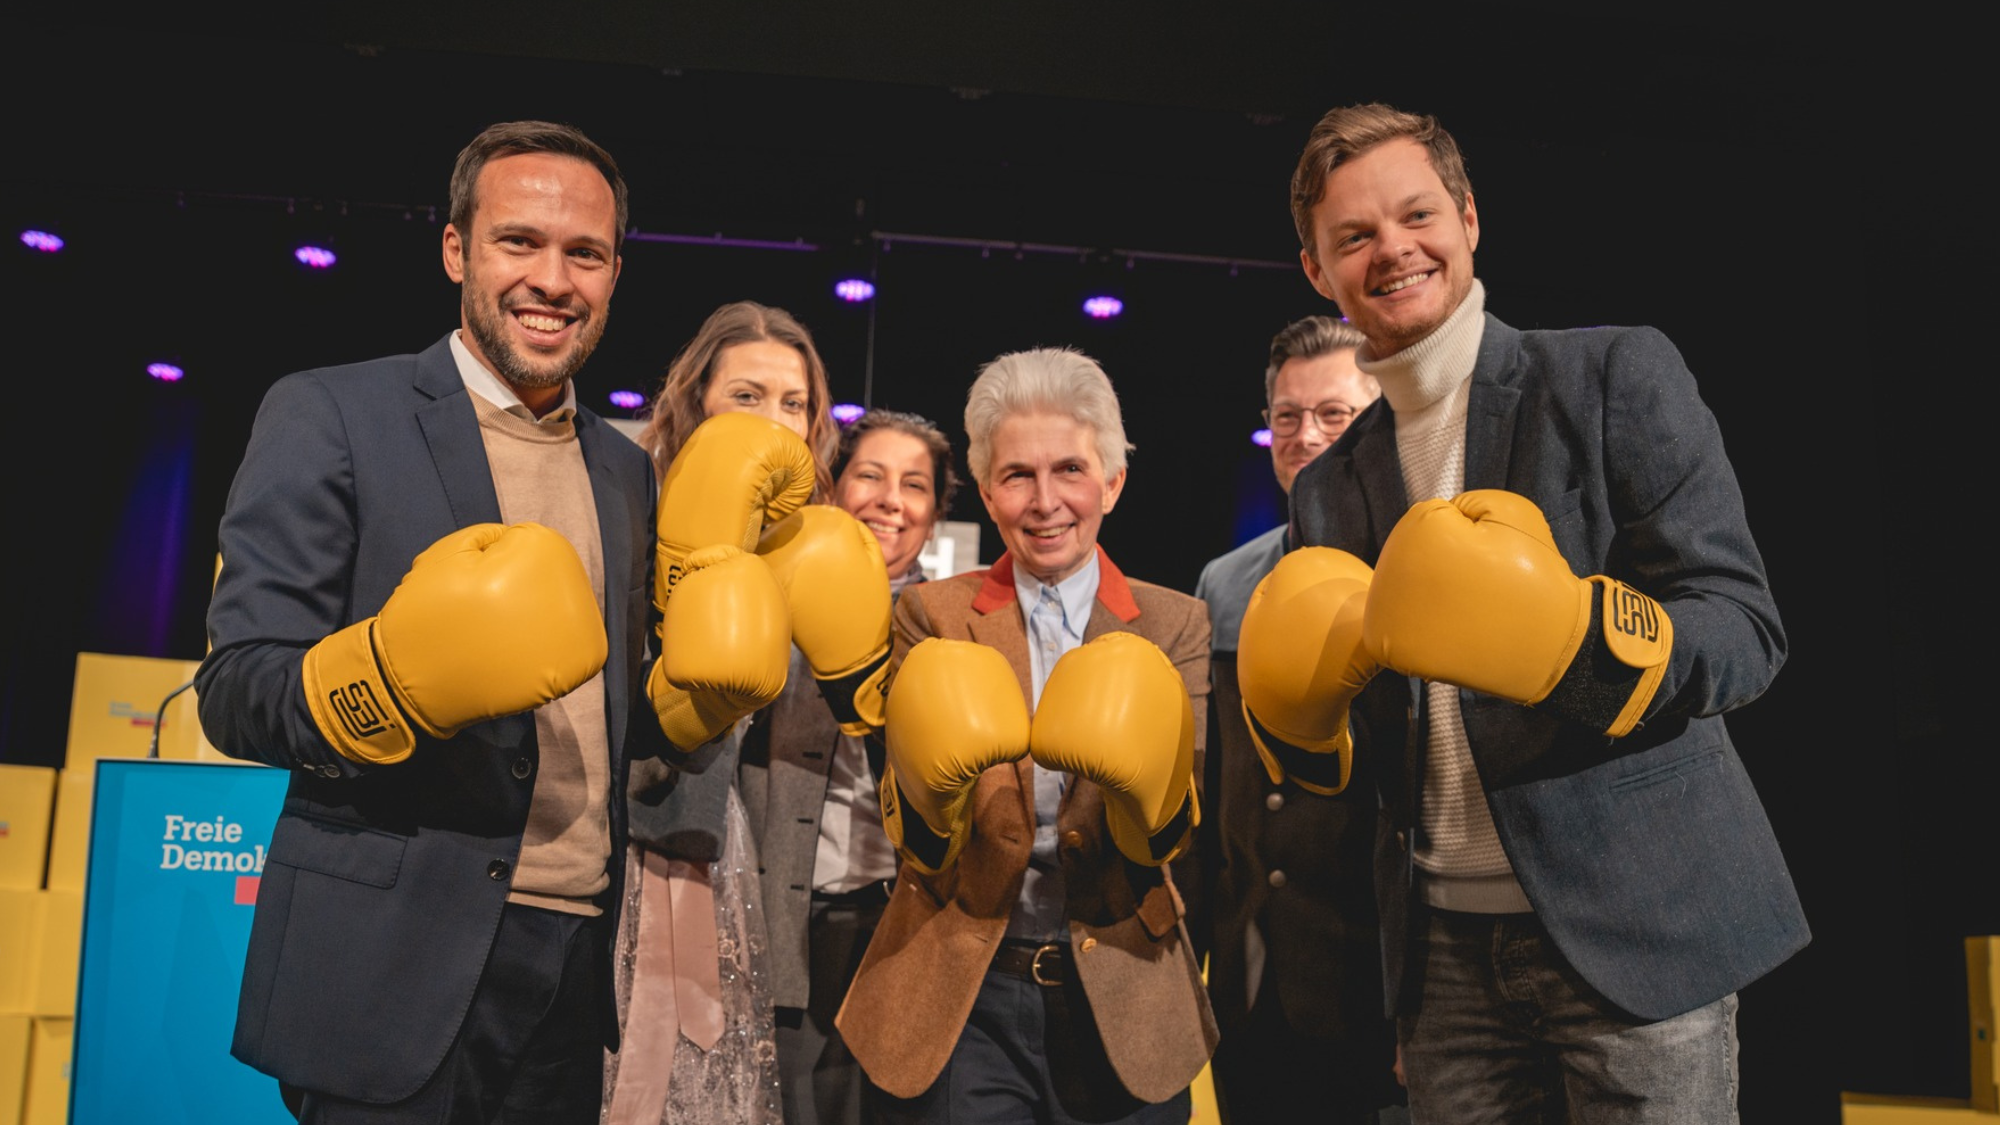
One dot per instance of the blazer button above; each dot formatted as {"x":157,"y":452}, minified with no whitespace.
{"x":498,"y":869}
{"x":523,"y":767}
{"x":1275,"y":878}
{"x":1072,"y":839}
{"x":1274,"y":801}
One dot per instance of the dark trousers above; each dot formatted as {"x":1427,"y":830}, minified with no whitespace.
{"x":821,"y":1081}
{"x":1030,"y":1055}
{"x":1266,"y":1071}
{"x":530,"y":1053}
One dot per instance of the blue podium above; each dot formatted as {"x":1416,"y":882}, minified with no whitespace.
{"x":176,"y":851}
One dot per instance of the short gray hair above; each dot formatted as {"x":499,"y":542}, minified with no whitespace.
{"x":1061,"y":381}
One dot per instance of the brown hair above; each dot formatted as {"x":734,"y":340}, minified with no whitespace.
{"x":944,"y":481}
{"x":676,"y":408}
{"x":512,"y":138}
{"x":1349,"y":131}
{"x":1307,"y":338}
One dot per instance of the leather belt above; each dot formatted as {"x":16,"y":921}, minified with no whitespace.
{"x":1047,"y":964}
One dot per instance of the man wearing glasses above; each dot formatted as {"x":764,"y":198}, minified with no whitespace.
{"x":1294,"y":974}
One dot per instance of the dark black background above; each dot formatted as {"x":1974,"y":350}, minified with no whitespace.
{"x":1793,"y":201}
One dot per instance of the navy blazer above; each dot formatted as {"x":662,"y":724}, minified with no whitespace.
{"x":1648,"y":858}
{"x":383,"y":885}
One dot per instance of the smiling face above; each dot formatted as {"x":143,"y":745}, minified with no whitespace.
{"x":1388,"y":246}
{"x":760,"y":377}
{"x":1305,"y":384}
{"x":1047,"y":493}
{"x":888,"y":486}
{"x":535,"y":270}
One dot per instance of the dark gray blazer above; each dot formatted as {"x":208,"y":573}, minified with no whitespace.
{"x":384,"y":885}
{"x":782,"y":777}
{"x":1649,"y":858}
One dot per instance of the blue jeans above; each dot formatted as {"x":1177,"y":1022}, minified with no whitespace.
{"x":1504,"y":1030}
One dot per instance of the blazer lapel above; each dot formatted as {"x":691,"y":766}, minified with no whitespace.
{"x":1489,"y":414}
{"x":615,"y":534}
{"x":1374,"y":472}
{"x":451,"y":431}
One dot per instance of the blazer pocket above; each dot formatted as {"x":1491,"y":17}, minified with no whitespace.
{"x":344,"y":851}
{"x":1680,"y":769}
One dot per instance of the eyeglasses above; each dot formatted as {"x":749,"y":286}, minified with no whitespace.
{"x":1332,"y":417}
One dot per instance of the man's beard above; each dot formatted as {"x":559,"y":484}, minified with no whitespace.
{"x":489,"y":329}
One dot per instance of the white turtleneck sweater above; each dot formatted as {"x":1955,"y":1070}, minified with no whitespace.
{"x":1427,"y":385}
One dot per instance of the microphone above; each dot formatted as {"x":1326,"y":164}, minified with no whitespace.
{"x":160,"y":719}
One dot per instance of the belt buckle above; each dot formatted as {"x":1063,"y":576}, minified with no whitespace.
{"x":1035,"y":964}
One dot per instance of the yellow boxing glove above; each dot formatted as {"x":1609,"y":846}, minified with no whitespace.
{"x":830,"y":566}
{"x":955,"y":710}
{"x":737,"y":472}
{"x":1474,"y":592}
{"x":489,"y":621}
{"x":1116,"y":712}
{"x":726,"y":646}
{"x":1300,"y":662}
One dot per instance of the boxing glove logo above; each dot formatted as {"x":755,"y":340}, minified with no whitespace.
{"x":360,"y":713}
{"x":1634,"y":614}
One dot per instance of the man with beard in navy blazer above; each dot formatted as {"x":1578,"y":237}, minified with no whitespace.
{"x":432,"y":611}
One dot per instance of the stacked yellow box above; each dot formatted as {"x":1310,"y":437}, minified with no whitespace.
{"x":27,"y":810}
{"x":118,"y":704}
{"x":116,"y":710}
{"x":1982,"y":979}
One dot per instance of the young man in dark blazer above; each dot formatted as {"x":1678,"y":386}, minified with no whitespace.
{"x":1576,"y":875}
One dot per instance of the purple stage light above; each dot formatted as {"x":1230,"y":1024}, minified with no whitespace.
{"x":165,"y":372}
{"x":854,"y":289}
{"x":1260,"y":437}
{"x":627,"y":400}
{"x":41,"y":240}
{"x":1102,"y":308}
{"x":848,"y":412}
{"x":315,"y":257}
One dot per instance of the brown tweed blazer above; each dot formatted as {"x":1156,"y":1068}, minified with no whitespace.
{"x":916,"y":985}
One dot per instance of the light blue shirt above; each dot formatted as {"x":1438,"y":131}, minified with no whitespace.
{"x":1055,"y":617}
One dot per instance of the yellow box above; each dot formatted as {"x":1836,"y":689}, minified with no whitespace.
{"x":14,"y":1037}
{"x":20,"y":930}
{"x":1868,"y":1109}
{"x":116,"y":701}
{"x":50,"y":1045}
{"x":57,"y":951}
{"x":27,"y":806}
{"x":1982,"y":978}
{"x":69,"y":842}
